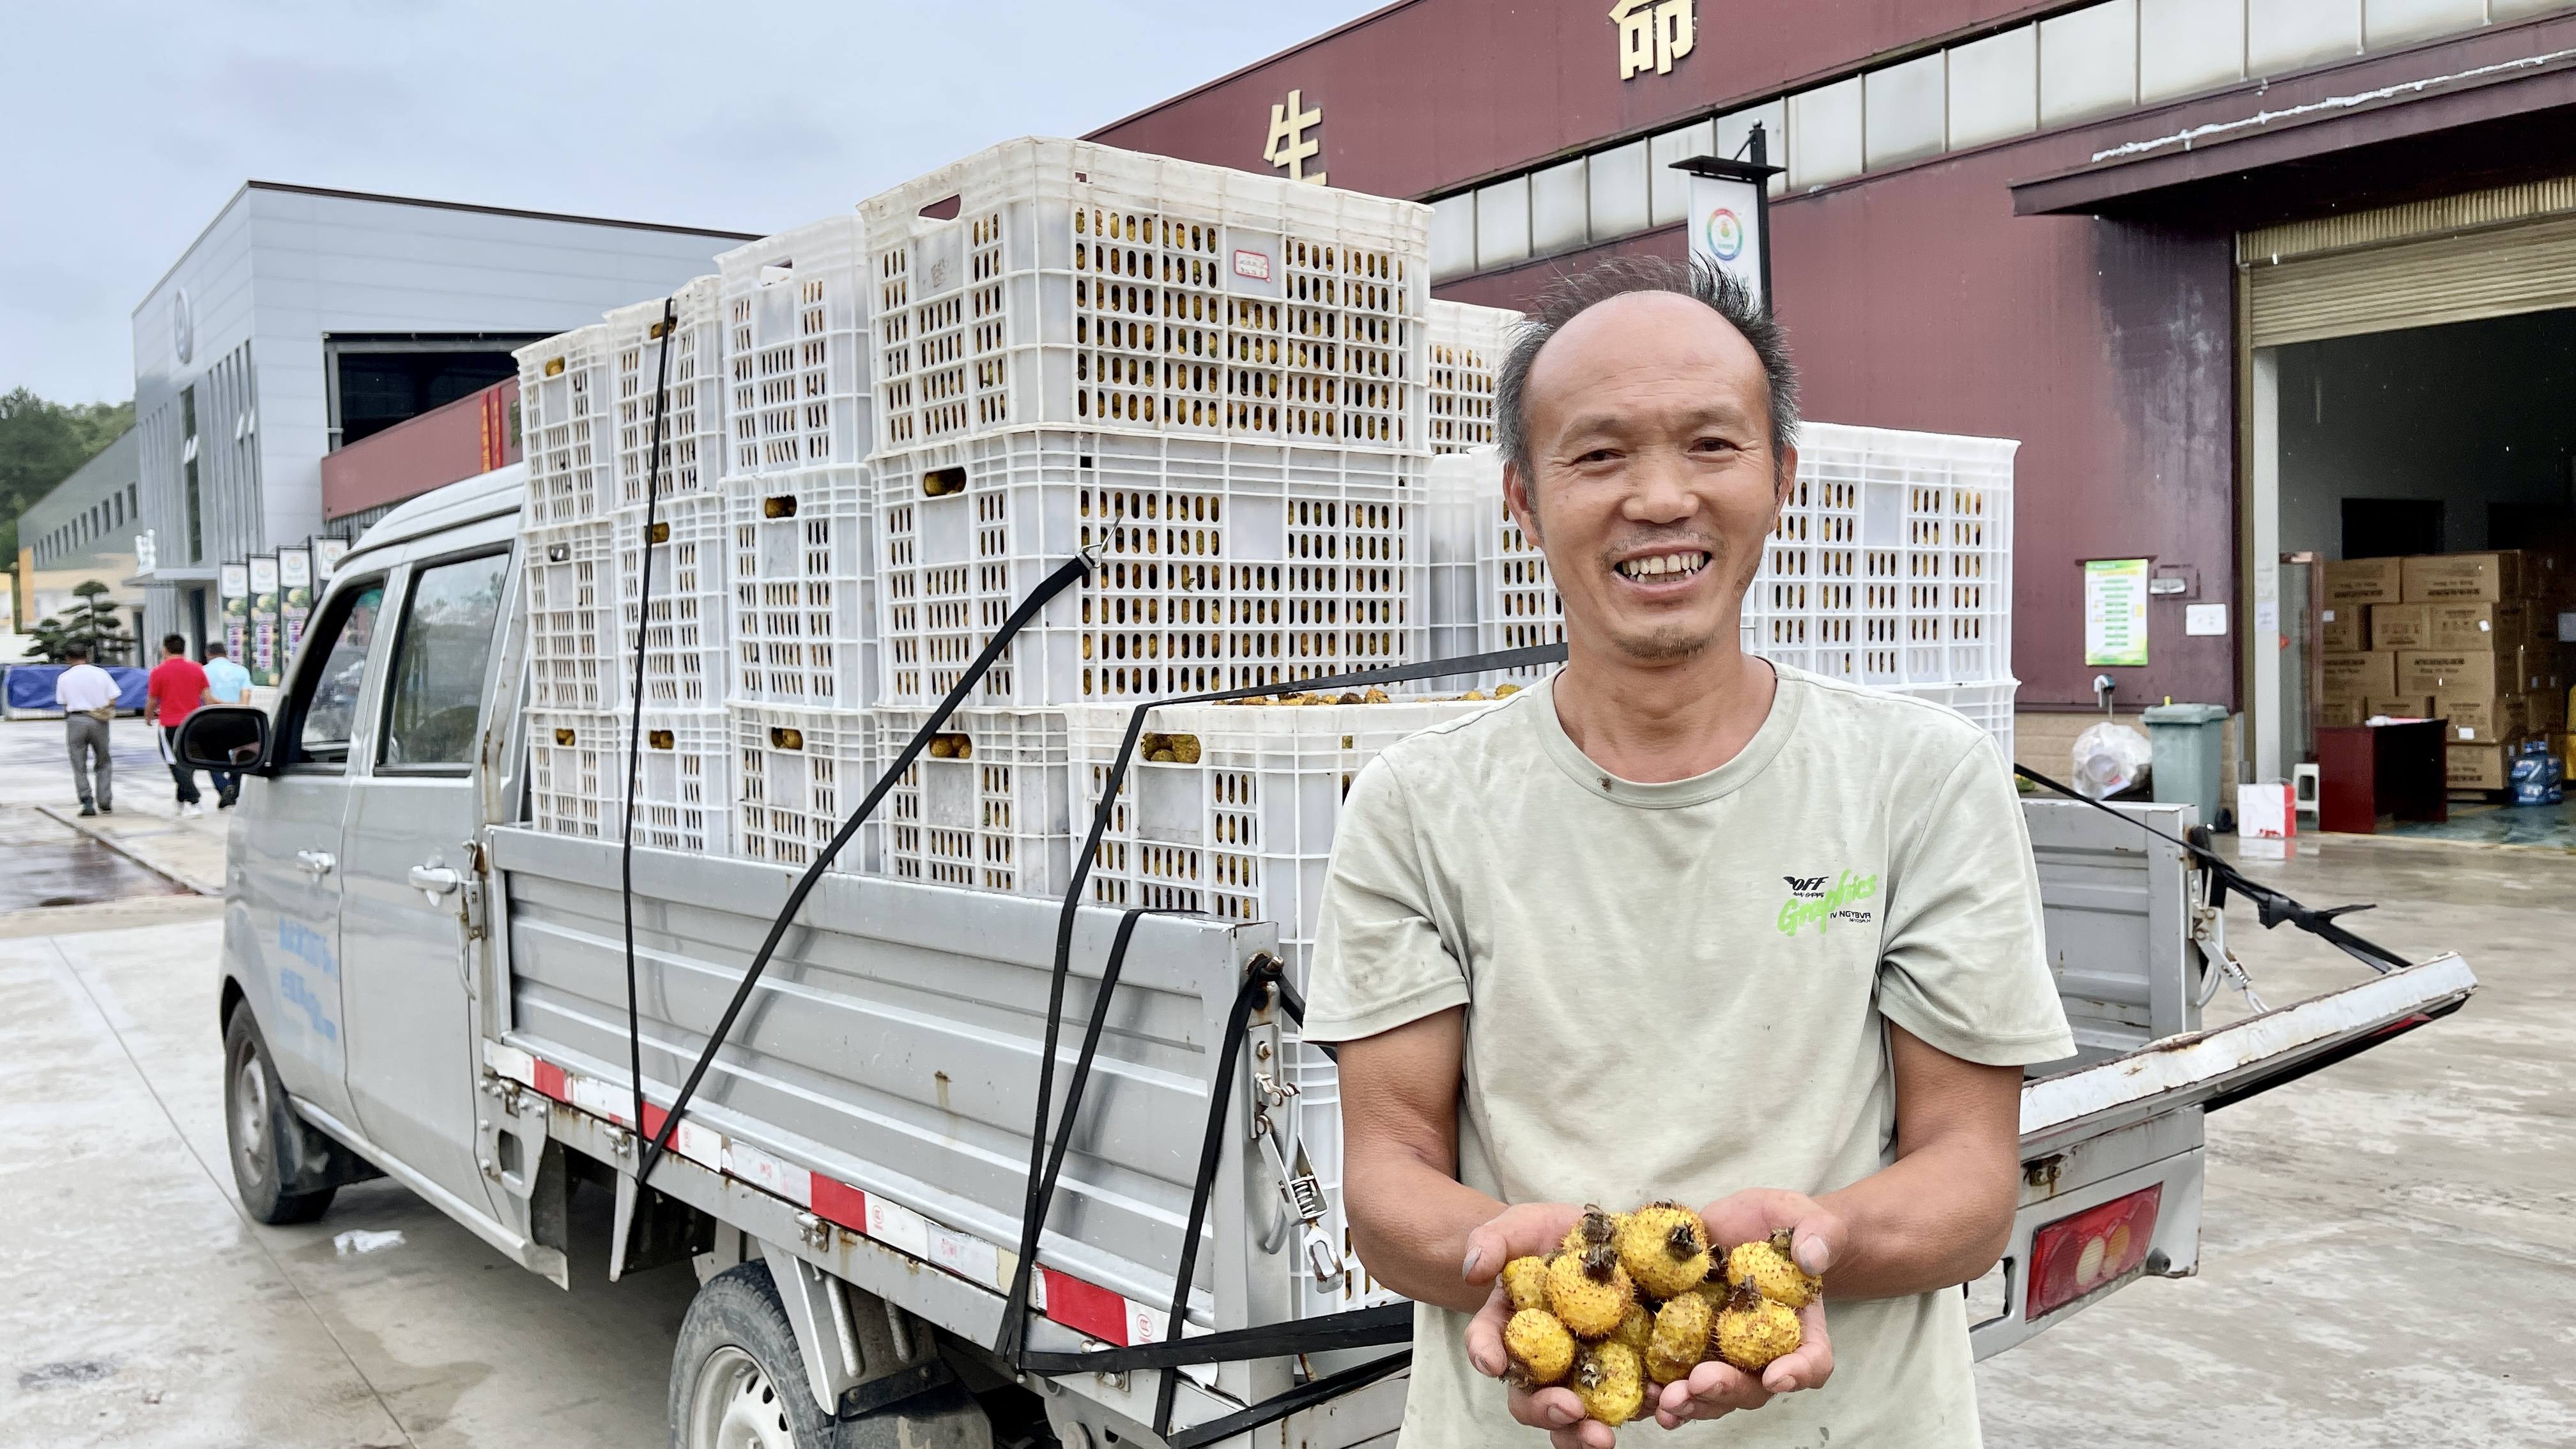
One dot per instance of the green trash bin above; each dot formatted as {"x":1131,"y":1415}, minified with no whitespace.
{"x":2188,"y":740}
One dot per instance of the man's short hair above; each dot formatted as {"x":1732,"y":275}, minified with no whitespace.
{"x":1572,"y":295}
{"x":215,"y":649}
{"x":174,"y":643}
{"x":75,"y":654}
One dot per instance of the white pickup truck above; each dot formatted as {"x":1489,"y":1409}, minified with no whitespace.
{"x":416,"y":984}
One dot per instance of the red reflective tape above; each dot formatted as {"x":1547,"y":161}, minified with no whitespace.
{"x":841,"y":1203}
{"x":653,"y":1118}
{"x":550,"y":1080}
{"x":1086,"y":1307}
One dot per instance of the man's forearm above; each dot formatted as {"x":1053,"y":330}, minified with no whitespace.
{"x":1410,"y":1222}
{"x":1934,"y":1219}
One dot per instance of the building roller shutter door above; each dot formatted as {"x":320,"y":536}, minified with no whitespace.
{"x":2411,"y":266}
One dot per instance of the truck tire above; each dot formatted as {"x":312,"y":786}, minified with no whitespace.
{"x":738,"y":1382}
{"x":260,"y":1128}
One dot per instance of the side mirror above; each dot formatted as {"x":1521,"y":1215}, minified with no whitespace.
{"x":226,"y":737}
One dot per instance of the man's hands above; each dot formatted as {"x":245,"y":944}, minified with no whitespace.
{"x":1714,"y":1389}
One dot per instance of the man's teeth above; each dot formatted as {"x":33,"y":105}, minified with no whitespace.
{"x":1689,"y":562}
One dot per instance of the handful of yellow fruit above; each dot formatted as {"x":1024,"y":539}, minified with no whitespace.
{"x":1632,"y":1299}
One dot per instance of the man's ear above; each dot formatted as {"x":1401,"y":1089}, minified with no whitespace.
{"x":1518,"y":499}
{"x":1785,"y":477}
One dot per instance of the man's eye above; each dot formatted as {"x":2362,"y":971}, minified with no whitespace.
{"x":1597,"y":455}
{"x":1712,"y":445}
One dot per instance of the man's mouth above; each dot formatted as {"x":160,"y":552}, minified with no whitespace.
{"x":1656,"y":568}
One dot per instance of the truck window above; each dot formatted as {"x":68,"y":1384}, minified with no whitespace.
{"x":332,"y":708}
{"x":439,"y":657}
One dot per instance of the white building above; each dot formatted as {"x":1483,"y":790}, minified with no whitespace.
{"x":303,"y":318}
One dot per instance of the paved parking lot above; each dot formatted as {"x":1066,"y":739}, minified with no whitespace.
{"x":2389,"y":1246}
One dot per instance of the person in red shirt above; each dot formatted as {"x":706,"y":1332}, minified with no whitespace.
{"x":171,"y":693}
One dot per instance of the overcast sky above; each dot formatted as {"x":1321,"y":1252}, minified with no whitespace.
{"x":126,"y":127}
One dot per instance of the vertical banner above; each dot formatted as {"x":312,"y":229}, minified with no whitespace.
{"x":1730,"y":218}
{"x":263,"y":659}
{"x":232,"y":587}
{"x":327,"y":553}
{"x":2115,"y":611}
{"x":294,"y":599}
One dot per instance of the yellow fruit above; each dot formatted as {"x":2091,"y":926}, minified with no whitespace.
{"x":1611,"y":1382}
{"x":1591,"y":1230}
{"x":1589,"y":1291}
{"x":1664,"y":1249}
{"x":1525,"y":1279}
{"x":1753,"y":1330}
{"x":1681,"y":1338}
{"x":1542,"y":1351}
{"x":1637,"y":1329}
{"x":1769,"y":1270}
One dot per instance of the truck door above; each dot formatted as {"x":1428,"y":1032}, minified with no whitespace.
{"x":285,"y":862}
{"x":406,"y":881}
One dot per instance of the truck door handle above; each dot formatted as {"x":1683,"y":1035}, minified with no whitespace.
{"x":434,"y":880}
{"x":315,"y":863}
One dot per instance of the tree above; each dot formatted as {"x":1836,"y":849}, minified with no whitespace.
{"x":91,"y":622}
{"x":41,"y":444}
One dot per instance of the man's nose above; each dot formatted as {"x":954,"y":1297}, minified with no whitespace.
{"x":1659,"y":488}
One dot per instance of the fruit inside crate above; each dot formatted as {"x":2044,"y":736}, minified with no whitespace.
{"x":803,"y":569}
{"x":691,"y":377}
{"x":796,"y":348}
{"x":798,"y":774}
{"x":1220,"y":564}
{"x":1074,"y":285}
{"x":985,"y":807}
{"x":577,"y":772}
{"x":565,"y":390}
{"x":687,"y":664}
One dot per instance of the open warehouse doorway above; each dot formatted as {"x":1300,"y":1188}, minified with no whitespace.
{"x":2411,"y":380}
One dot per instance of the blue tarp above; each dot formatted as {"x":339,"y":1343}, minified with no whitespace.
{"x":31,"y":686}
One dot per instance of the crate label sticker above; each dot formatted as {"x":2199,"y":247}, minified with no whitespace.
{"x":768,"y":1173}
{"x":1249,"y":263}
{"x":898,"y":1227}
{"x":968,"y":1258}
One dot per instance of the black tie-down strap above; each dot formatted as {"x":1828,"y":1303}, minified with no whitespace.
{"x":2271,"y":907}
{"x":1263,"y":983}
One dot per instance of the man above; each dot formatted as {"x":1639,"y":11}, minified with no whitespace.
{"x":87,"y":695}
{"x":226,"y":683}
{"x":1681,"y":924}
{"x":171,"y":693}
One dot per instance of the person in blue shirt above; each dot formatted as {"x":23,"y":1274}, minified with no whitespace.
{"x":226,"y":683}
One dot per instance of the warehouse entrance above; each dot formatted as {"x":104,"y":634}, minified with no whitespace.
{"x":2411,"y":401}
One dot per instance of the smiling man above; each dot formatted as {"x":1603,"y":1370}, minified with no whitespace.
{"x":1682,"y":924}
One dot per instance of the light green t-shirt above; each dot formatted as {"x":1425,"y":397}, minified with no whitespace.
{"x":1677,"y":990}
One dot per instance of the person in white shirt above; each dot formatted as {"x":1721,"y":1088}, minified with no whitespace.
{"x":87,"y":694}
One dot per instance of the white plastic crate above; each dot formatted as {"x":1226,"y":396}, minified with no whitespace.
{"x":1892,"y":561}
{"x":796,"y":348}
{"x":1453,"y":506}
{"x":692,"y":379}
{"x":1062,"y":283}
{"x":567,"y":427}
{"x":1517,"y":606}
{"x":575,"y":642}
{"x":1319,"y":1133}
{"x":577,"y":772}
{"x":1988,"y":706}
{"x":1221,"y":564}
{"x":688,"y":655}
{"x":803,"y":568}
{"x":1466,"y":352}
{"x":797,"y":775}
{"x":1243,"y":832}
{"x":985,"y":807}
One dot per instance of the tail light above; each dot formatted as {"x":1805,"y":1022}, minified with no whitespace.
{"x":2091,"y":1250}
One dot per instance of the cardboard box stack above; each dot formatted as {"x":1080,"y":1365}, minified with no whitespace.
{"x":2467,"y":638}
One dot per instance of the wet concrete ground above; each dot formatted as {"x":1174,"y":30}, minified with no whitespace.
{"x":44,"y":862}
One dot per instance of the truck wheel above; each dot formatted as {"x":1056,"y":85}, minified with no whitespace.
{"x":737,"y":1382}
{"x":261,"y":1128}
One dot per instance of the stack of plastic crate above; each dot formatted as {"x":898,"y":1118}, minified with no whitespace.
{"x":1211,"y":378}
{"x":1517,"y":606}
{"x":799,"y":557}
{"x":1467,"y":343}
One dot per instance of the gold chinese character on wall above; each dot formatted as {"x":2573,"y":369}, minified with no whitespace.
{"x":1290,"y":145}
{"x":1653,"y":34}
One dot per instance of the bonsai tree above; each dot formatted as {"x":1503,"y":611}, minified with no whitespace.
{"x":91,"y":622}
